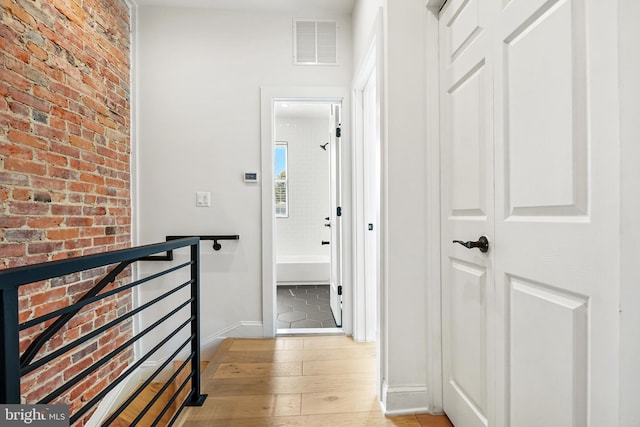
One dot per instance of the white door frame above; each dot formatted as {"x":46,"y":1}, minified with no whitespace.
{"x":268,"y":94}
{"x":361,"y":309}
{"x":432,"y":197}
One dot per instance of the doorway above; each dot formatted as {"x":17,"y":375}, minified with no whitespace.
{"x":329,"y":96}
{"x":307,"y":181}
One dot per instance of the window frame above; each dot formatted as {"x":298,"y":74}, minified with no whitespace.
{"x":283,"y":182}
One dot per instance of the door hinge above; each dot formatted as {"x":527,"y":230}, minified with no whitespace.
{"x":339,"y":211}
{"x":340,"y":290}
{"x":338,"y":132}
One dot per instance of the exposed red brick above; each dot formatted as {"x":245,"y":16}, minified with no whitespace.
{"x":63,"y":234}
{"x":15,"y":80}
{"x":22,"y":138}
{"x":28,"y":99}
{"x":56,"y":99}
{"x":21,"y":194}
{"x":49,"y":296}
{"x":52,"y":159}
{"x":44,"y":248}
{"x":65,"y":150}
{"x":37,"y":51}
{"x":20,"y":165}
{"x":45,"y":222}
{"x":13,"y":150}
{"x":19,"y":13}
{"x":51,"y":132}
{"x":12,"y":250}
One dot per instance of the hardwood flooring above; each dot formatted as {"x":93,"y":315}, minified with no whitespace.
{"x":294,"y":381}
{"x":130,"y":414}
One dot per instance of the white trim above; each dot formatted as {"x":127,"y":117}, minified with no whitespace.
{"x":432,"y":197}
{"x":133,"y":159}
{"x":368,"y":67}
{"x":629,"y":106}
{"x":114,"y":398}
{"x":435,"y":5}
{"x":404,"y":400}
{"x":374,"y":60}
{"x":309,"y":331}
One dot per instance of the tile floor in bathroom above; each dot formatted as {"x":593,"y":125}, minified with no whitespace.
{"x":304,"y":306}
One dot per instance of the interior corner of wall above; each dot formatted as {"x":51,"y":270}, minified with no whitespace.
{"x":247,"y":329}
{"x":404,"y":400}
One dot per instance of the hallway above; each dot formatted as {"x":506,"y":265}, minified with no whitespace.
{"x":294,"y":381}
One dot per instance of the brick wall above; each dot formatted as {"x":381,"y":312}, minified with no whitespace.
{"x":65,"y":166}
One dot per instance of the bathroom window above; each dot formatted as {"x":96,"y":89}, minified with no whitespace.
{"x":280,"y":180}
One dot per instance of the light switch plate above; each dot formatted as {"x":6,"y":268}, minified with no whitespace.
{"x":203,"y":199}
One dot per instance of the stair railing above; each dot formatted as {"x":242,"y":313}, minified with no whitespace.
{"x":13,"y":365}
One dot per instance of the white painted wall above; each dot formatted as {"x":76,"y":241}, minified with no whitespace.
{"x":403,"y":296}
{"x":199,"y":73}
{"x":365,"y":14}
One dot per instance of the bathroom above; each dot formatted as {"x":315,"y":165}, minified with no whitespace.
{"x":305,"y":172}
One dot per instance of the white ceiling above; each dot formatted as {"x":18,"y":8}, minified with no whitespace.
{"x":340,"y":7}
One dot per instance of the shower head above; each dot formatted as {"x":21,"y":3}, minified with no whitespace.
{"x":324,"y":147}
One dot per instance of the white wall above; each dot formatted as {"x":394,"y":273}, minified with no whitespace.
{"x":365,"y":14}
{"x":301,"y":233}
{"x":199,"y":75}
{"x":404,"y":324}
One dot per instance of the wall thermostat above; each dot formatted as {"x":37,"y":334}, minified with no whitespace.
{"x":250,"y":177}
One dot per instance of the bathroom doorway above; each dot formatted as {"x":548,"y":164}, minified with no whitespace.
{"x":308,"y":229}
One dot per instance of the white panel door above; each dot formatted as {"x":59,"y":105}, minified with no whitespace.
{"x":529,"y":159}
{"x":557,"y":212}
{"x":467,"y":212}
{"x":335,"y":287}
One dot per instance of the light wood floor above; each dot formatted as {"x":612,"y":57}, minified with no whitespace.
{"x":294,"y":381}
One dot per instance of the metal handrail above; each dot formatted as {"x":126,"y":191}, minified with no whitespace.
{"x":14,"y":365}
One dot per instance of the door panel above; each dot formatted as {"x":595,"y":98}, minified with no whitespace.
{"x":557,"y":210}
{"x":335,"y":287}
{"x":548,"y":340}
{"x":468,"y":334}
{"x":545,"y":124}
{"x":467,"y":212}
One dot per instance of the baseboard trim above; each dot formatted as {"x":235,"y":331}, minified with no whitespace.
{"x":243,"y":329}
{"x":404,"y":400}
{"x":114,"y":398}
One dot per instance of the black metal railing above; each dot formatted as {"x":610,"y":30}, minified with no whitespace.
{"x":14,"y":366}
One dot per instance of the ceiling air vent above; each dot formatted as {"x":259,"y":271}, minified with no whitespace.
{"x":315,"y":42}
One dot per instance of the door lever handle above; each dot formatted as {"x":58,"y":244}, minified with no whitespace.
{"x":324,"y":242}
{"x":328,"y":225}
{"x":482,"y":244}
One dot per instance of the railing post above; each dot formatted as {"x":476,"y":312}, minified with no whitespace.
{"x":9,"y":347}
{"x":197,"y":399}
